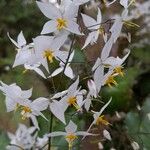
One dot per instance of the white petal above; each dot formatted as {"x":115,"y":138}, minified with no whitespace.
{"x":103,"y":108}
{"x":106,"y":134}
{"x":56,"y":109}
{"x":71,"y":127}
{"x":49,"y":10}
{"x":73,"y":27}
{"x":89,"y":21}
{"x":106,"y":49}
{"x":59,"y":94}
{"x":34,"y":121}
{"x":26,"y":94}
{"x":13,"y":41}
{"x":98,"y":76}
{"x":37,"y":70}
{"x":73,"y":88}
{"x":58,"y":133}
{"x":83,"y":133}
{"x":124,"y":3}
{"x":40,"y":104}
{"x":21,"y":39}
{"x":49,"y":27}
{"x":68,"y":72}
{"x":56,"y":72}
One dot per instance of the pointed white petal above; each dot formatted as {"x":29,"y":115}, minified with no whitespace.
{"x":58,"y":133}
{"x":49,"y":10}
{"x":49,"y":27}
{"x":73,"y":27}
{"x":56,"y":109}
{"x":21,"y":39}
{"x":71,"y":127}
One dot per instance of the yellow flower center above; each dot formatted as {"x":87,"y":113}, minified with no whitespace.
{"x":110,"y":81}
{"x":101,"y":120}
{"x":25,"y":111}
{"x":73,"y":101}
{"x":70,"y":138}
{"x":49,"y":55}
{"x":61,"y":23}
{"x":101,"y":30}
{"x":119,"y":71}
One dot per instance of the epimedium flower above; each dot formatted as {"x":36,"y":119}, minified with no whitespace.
{"x":14,"y":95}
{"x":47,"y":48}
{"x":95,"y":27}
{"x":16,"y":99}
{"x":73,"y":96}
{"x":32,"y":109}
{"x":60,"y":20}
{"x":98,"y":117}
{"x":24,"y":138}
{"x":26,"y":55}
{"x":71,"y":133}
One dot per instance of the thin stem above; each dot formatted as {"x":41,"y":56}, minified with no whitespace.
{"x":50,"y":130}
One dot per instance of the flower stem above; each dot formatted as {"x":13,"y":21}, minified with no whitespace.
{"x":50,"y":130}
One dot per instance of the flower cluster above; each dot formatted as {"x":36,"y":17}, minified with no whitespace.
{"x":63,"y":24}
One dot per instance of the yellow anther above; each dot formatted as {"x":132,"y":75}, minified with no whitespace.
{"x":49,"y":55}
{"x":61,"y":23}
{"x":111,"y":81}
{"x":119,"y":71}
{"x":25,"y":111}
{"x":70,"y":138}
{"x":73,"y":101}
{"x":101,"y":120}
{"x":101,"y":30}
{"x":130,"y":24}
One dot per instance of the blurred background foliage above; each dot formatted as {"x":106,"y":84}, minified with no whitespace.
{"x":133,"y":89}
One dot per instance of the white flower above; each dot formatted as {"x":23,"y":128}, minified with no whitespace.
{"x":33,"y":109}
{"x":21,"y":41}
{"x":14,"y":95}
{"x":47,"y":48}
{"x":72,"y":97}
{"x":26,"y":55}
{"x":95,"y":27}
{"x":70,"y":134}
{"x":60,"y":20}
{"x":23,"y":138}
{"x":66,"y":69}
{"x":98,"y":118}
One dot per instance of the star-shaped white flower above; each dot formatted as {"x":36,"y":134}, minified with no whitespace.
{"x":60,"y":20}
{"x":47,"y":48}
{"x":71,"y":133}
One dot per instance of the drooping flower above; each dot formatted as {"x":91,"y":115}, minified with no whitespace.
{"x":98,"y":117}
{"x":95,"y":27}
